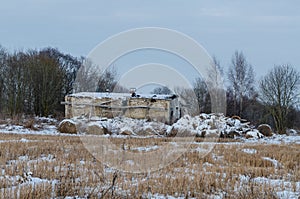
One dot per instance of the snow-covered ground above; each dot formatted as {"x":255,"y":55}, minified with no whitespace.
{"x":211,"y":124}
{"x":41,"y":126}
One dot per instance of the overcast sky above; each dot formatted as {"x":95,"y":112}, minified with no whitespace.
{"x":267,"y":31}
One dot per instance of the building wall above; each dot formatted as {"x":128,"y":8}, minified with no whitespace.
{"x":138,"y":108}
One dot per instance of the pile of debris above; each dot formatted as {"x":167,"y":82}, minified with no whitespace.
{"x":115,"y":126}
{"x":203,"y":125}
{"x":217,"y":125}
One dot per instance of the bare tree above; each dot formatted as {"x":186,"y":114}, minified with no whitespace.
{"x":280,"y":91}
{"x":3,"y":58}
{"x":69,"y":64}
{"x":241,"y":79}
{"x":47,"y":82}
{"x":215,"y":85}
{"x":217,"y":66}
{"x":15,"y":83}
{"x":107,"y":80}
{"x":86,"y":78}
{"x":162,"y":90}
{"x":207,"y":95}
{"x":202,"y":95}
{"x":90,"y":79}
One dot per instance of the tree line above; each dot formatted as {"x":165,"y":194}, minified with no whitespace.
{"x":35,"y":82}
{"x":274,"y":99}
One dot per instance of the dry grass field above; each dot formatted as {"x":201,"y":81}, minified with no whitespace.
{"x":62,"y":167}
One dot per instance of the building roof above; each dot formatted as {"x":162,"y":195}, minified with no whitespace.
{"x":98,"y":95}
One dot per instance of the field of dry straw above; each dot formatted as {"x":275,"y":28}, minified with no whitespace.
{"x":65,"y":168}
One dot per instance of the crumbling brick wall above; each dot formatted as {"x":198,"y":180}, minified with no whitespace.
{"x":132,"y":107}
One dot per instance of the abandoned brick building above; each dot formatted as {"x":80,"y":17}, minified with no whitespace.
{"x":163,"y":108}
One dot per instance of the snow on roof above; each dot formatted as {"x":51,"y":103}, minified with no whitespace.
{"x":98,"y":95}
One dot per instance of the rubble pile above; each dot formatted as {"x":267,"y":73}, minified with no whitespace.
{"x":214,"y":125}
{"x":204,"y":125}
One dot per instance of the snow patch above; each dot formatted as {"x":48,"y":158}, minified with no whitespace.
{"x":254,"y":134}
{"x":249,"y":151}
{"x":145,"y":149}
{"x":276,"y":164}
